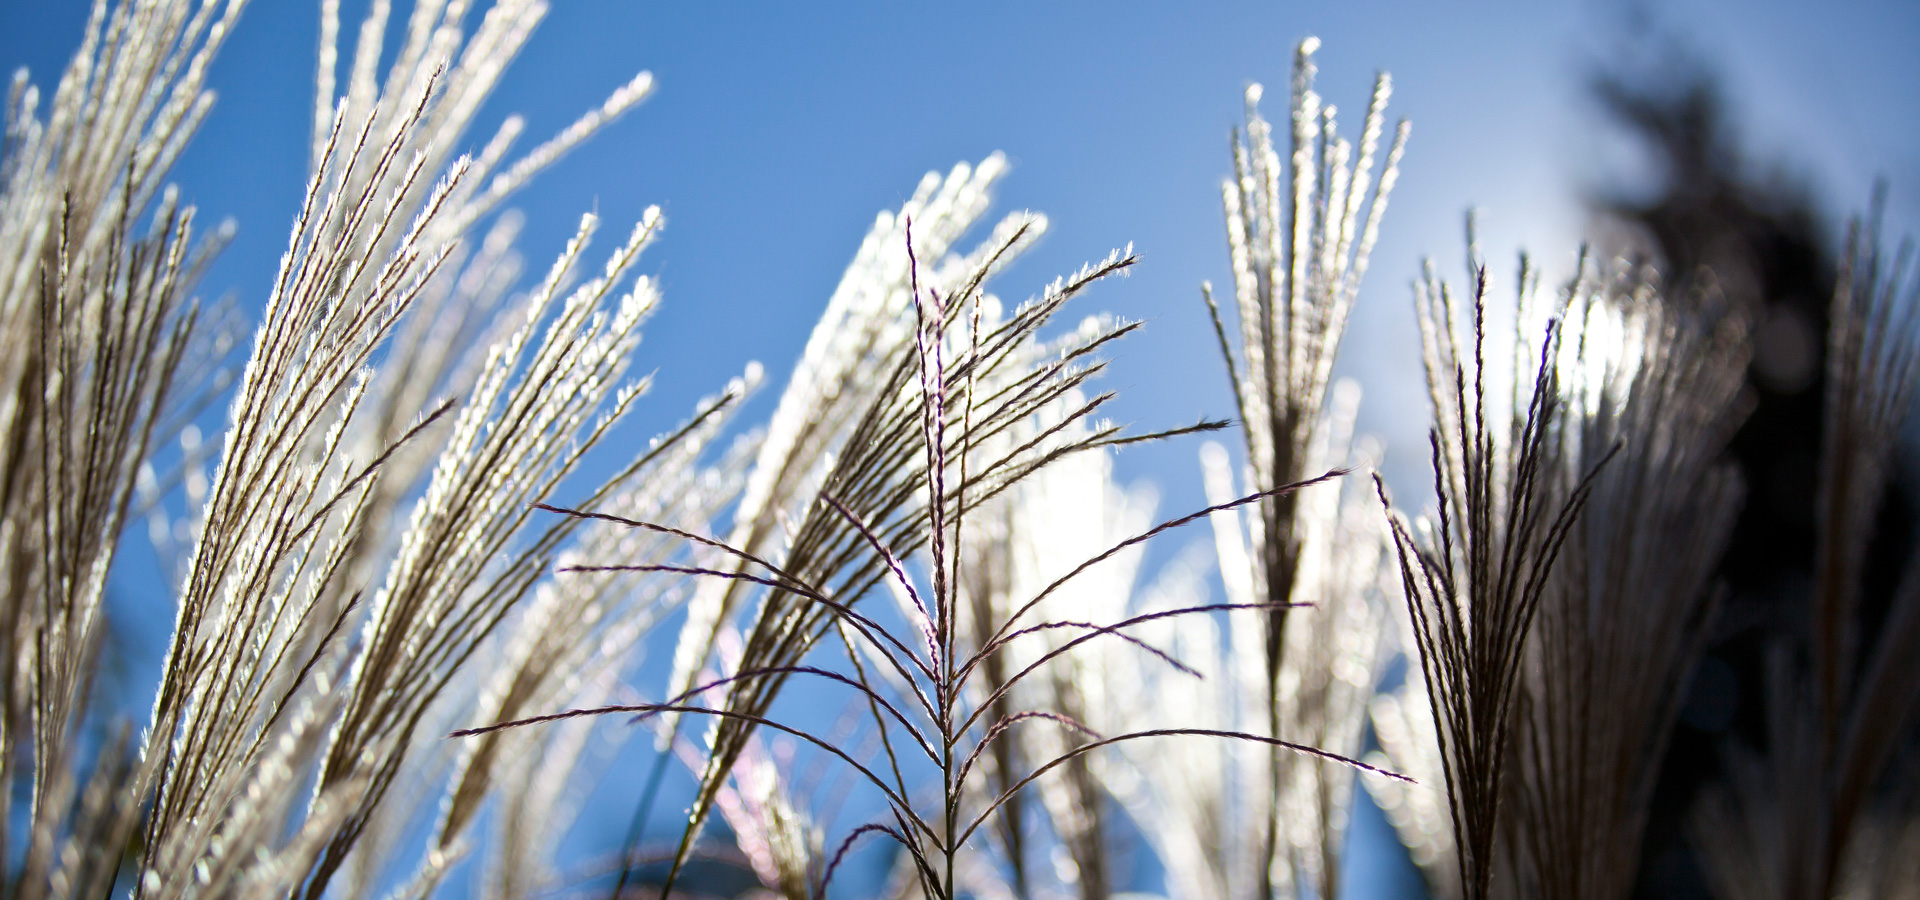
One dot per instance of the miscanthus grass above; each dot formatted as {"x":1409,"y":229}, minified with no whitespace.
{"x":1829,"y":810}
{"x":405,"y":623}
{"x":1300,"y":231}
{"x":324,"y":603}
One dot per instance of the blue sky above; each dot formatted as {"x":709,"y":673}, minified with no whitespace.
{"x":776,"y":133}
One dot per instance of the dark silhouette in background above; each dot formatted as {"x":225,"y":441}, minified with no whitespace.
{"x":1771,"y":250}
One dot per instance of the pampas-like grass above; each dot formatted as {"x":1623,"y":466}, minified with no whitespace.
{"x":265,"y":688}
{"x":317,"y":638}
{"x":1300,"y":234}
{"x":974,"y":408}
{"x":1627,"y":606}
{"x":100,"y":333}
{"x":1015,"y":547}
{"x":1829,"y":807}
{"x":1475,"y":577}
{"x":390,"y":546}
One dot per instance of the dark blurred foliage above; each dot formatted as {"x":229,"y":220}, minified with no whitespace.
{"x":1703,"y":207}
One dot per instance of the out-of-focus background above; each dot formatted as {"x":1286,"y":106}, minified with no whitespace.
{"x":776,"y":133}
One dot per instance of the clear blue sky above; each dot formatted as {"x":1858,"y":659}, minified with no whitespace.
{"x":776,"y":133}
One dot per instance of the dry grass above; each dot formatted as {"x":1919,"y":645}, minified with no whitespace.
{"x":388,"y":542}
{"x":974,"y":408}
{"x":317,"y":626}
{"x":1475,"y":577}
{"x":1827,"y":811}
{"x":1626,"y":610}
{"x":1300,"y":234}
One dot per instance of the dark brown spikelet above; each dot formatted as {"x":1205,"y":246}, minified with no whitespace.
{"x":1474,"y":579}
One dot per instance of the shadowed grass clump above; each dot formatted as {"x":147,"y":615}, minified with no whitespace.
{"x":1627,"y":607}
{"x":1475,"y":577}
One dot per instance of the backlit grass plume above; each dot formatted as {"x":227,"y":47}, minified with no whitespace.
{"x":1300,"y":231}
{"x":1062,"y":838}
{"x":1655,"y":382}
{"x":1475,"y":576}
{"x":972,"y":408}
{"x":294,"y":682}
{"x":409,"y":609}
{"x":96,"y":264}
